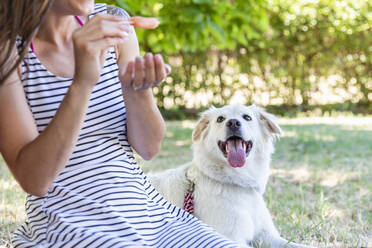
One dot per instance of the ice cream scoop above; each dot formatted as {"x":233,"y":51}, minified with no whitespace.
{"x":144,"y":22}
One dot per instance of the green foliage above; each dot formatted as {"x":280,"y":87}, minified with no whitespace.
{"x":198,"y":25}
{"x":219,"y":48}
{"x":311,"y":40}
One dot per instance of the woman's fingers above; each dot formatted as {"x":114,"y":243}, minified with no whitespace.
{"x":103,"y":44}
{"x":159,"y":68}
{"x":139,"y":73}
{"x":127,"y":78}
{"x":144,"y":73}
{"x":108,"y":28}
{"x":150,"y":70}
{"x":168,"y":69}
{"x":91,"y":43}
{"x":104,"y":29}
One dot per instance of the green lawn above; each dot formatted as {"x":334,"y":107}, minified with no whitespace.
{"x":320,"y":188}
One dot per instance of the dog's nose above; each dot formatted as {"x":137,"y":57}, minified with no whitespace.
{"x":233,"y":124}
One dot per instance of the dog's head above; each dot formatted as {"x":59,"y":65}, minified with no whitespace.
{"x":236,"y":137}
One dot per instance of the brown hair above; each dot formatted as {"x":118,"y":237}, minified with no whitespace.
{"x":18,"y":18}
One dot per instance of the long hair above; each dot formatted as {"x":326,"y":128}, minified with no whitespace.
{"x":18,"y":18}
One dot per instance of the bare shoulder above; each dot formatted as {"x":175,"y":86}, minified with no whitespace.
{"x":128,"y":50}
{"x":117,"y":11}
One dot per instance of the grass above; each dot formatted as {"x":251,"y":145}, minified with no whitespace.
{"x":319,"y":192}
{"x":12,"y":202}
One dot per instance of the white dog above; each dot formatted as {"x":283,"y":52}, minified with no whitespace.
{"x":232,"y":149}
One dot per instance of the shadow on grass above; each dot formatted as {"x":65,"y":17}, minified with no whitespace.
{"x":324,"y":144}
{"x":320,"y":185}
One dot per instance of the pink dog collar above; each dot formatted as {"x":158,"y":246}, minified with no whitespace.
{"x":188,"y":203}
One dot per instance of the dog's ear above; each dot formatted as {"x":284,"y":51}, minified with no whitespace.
{"x":200,"y":127}
{"x":269,"y":122}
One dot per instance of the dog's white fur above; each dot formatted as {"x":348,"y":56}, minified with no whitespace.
{"x":229,"y":199}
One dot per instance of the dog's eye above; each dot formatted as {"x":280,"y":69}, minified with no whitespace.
{"x":247,"y":117}
{"x":220,"y":119}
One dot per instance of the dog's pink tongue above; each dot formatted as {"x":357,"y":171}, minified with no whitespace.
{"x":236,"y":153}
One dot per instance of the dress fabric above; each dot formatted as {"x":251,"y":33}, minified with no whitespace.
{"x":102,"y":198}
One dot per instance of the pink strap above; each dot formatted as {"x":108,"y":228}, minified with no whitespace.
{"x":32,"y":47}
{"x":78,"y":20}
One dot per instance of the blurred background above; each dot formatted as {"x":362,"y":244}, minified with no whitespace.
{"x":308,"y":62}
{"x":290,"y":56}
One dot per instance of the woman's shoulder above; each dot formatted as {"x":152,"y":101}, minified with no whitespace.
{"x":110,"y":9}
{"x":117,"y":11}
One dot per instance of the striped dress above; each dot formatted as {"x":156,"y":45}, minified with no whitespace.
{"x":102,"y":198}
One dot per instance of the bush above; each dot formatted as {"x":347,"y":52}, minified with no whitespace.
{"x":284,"y":53}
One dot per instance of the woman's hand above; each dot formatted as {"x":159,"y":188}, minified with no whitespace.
{"x":144,"y":73}
{"x":137,"y":72}
{"x":145,"y":125}
{"x":91,"y":43}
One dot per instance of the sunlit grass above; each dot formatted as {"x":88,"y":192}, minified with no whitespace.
{"x":12,"y":202}
{"x":319,"y":192}
{"x":320,"y":189}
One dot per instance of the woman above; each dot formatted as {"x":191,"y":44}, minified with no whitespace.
{"x":68,"y":113}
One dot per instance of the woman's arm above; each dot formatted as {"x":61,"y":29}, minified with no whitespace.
{"x":36,"y":159}
{"x":145,"y":125}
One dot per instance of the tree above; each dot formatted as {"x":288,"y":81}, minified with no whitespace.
{"x":222,"y":47}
